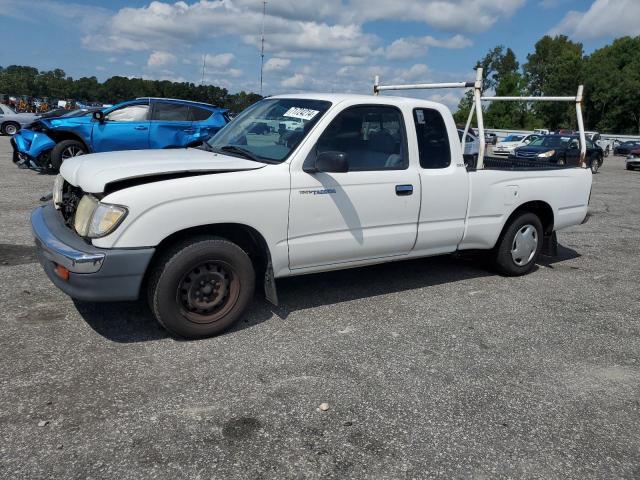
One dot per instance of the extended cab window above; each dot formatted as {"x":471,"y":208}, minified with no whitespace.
{"x":433,"y":139}
{"x":372,"y":137}
{"x":130,"y":113}
{"x":170,"y":112}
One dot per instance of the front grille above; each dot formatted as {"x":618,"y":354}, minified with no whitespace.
{"x":525,"y":154}
{"x":70,"y":198}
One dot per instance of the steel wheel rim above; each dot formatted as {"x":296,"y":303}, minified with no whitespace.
{"x":525,"y":245}
{"x":208,"y":291}
{"x":595,"y":165}
{"x":10,"y":129}
{"x":71,"y":151}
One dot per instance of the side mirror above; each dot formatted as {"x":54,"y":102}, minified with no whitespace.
{"x":331,"y":161}
{"x":98,"y":115}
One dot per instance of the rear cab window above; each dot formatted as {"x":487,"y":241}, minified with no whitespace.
{"x":433,"y":138}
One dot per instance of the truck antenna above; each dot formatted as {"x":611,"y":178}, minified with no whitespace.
{"x":264,"y":13}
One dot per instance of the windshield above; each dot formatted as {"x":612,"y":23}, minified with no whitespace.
{"x":513,"y":138}
{"x":269,"y":130}
{"x":551,"y":141}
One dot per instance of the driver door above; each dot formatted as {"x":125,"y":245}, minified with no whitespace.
{"x":370,"y":211}
{"x":125,"y":128}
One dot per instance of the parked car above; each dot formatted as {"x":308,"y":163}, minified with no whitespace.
{"x":511,"y":142}
{"x":135,"y":125}
{"x":471,"y":148}
{"x":604,"y":144}
{"x":625,"y":147}
{"x":541,"y":131}
{"x":490,"y":138}
{"x":11,"y":122}
{"x":368,"y":179}
{"x":633,"y":160}
{"x":561,"y":150}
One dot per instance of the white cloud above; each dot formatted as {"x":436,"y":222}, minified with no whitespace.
{"x":219,"y":61}
{"x":453,"y":15}
{"x":604,"y":18}
{"x":159,"y":58}
{"x":276,"y":64}
{"x":414,"y":47}
{"x":296,"y":81}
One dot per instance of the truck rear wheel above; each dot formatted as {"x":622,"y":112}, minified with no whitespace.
{"x":518,"y":248}
{"x":201,"y":287}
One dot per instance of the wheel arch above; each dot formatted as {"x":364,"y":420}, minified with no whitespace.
{"x":61,"y":135}
{"x":538,"y":207}
{"x":245,"y":236}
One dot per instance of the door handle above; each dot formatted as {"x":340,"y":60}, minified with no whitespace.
{"x":140,"y":127}
{"x":404,"y":190}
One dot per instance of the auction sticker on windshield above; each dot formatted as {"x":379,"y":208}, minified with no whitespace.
{"x":302,"y":113}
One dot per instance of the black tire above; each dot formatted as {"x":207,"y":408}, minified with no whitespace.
{"x":596,"y":163}
{"x":177,"y":287}
{"x":66,"y":149}
{"x":10,"y":128}
{"x":561,"y":161}
{"x":504,"y":261}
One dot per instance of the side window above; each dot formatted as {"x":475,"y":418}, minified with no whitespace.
{"x":433,"y":139}
{"x":199,"y":114}
{"x":170,"y":112}
{"x":372,"y":137}
{"x":130,"y":113}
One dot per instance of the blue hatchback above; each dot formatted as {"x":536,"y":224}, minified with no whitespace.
{"x":139,"y":124}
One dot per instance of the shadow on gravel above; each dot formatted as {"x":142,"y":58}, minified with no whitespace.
{"x":17,"y":254}
{"x":133,"y":322}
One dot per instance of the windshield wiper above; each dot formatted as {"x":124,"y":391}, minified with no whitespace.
{"x":246,"y":154}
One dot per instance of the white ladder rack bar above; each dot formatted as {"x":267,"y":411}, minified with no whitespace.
{"x":477,"y":108}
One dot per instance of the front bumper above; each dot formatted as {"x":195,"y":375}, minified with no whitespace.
{"x":28,"y":143}
{"x":633,"y":162}
{"x":95,"y":274}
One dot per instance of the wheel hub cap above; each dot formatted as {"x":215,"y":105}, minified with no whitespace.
{"x":524,"y":245}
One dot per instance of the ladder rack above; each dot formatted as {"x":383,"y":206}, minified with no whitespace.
{"x":477,"y":107}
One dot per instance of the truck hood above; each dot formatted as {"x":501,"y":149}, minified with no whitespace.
{"x":92,"y":173}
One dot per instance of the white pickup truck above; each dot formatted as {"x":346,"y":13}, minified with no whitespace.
{"x":368,"y":179}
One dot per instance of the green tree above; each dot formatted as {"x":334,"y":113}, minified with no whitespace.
{"x":555,"y":68}
{"x":612,"y":74}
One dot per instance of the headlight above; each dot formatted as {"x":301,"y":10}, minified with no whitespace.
{"x":105,"y":219}
{"x":548,"y":154}
{"x":94,"y":219}
{"x":57,"y":191}
{"x":84,"y":212}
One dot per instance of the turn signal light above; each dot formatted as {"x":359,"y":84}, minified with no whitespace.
{"x":62,"y":272}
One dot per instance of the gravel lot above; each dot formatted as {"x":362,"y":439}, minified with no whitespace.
{"x":431,"y":368}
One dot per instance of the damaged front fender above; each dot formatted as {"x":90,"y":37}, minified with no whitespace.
{"x":32,"y":144}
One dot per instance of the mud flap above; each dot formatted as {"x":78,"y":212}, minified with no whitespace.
{"x":550,"y":245}
{"x":270,"y":292}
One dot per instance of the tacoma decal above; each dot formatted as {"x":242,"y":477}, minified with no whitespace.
{"x":323,"y":191}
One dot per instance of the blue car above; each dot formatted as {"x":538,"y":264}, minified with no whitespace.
{"x":139,"y":124}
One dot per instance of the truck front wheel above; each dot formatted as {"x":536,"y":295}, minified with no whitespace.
{"x":518,"y":248}
{"x":201,"y":287}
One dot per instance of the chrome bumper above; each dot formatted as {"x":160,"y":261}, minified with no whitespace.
{"x":60,"y":253}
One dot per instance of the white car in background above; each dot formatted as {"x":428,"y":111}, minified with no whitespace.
{"x":507,"y":146}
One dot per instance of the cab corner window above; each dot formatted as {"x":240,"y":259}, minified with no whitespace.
{"x":433,"y":138}
{"x":372,"y":137}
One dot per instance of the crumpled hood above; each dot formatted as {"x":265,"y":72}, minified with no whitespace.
{"x":93,"y":172}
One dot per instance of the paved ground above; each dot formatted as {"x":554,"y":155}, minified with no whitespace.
{"x":431,"y":368}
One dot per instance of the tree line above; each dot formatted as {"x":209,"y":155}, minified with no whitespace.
{"x":55,"y":84}
{"x":610,"y":75}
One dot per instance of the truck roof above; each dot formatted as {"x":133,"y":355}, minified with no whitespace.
{"x":380,"y":99}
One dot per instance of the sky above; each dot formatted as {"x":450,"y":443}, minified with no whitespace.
{"x":310,"y":45}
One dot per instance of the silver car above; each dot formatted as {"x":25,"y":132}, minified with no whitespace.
{"x":11,"y":122}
